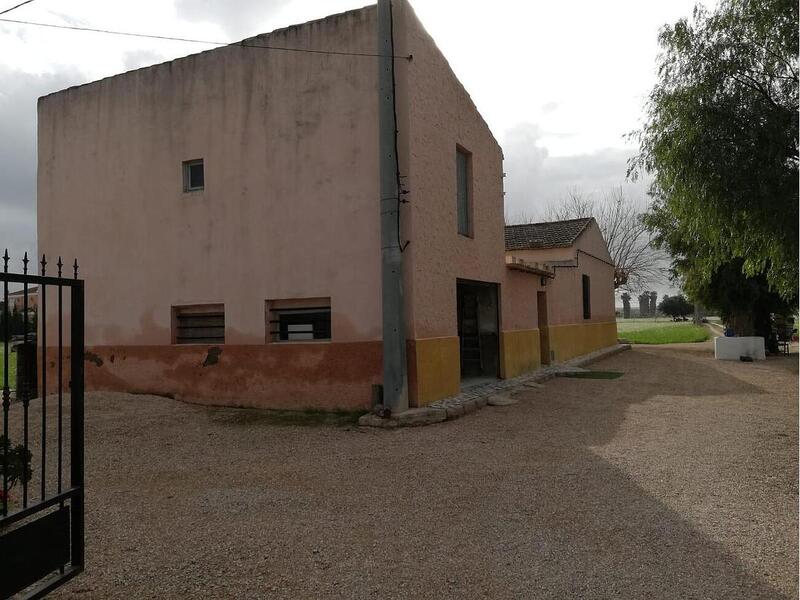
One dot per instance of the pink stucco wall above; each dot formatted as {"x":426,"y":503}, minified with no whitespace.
{"x":289,"y":208}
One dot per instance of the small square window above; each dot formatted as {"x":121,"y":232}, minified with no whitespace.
{"x":193,"y":175}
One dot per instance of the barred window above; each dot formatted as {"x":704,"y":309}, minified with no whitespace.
{"x":200,"y":324}
{"x":299,"y":320}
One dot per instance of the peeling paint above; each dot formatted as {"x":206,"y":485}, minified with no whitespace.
{"x":93,"y":358}
{"x":261,"y":376}
{"x":212,"y":357}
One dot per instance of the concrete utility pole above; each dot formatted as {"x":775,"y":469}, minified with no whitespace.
{"x":395,"y":383}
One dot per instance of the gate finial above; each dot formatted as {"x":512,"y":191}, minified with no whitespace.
{"x":75,"y":268}
{"x":43,"y":263}
{"x":59,"y":264}
{"x":5,"y":261}
{"x":25,"y":262}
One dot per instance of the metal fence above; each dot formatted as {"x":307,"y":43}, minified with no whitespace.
{"x":42,"y":517}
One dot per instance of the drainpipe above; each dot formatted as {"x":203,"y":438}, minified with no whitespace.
{"x":395,"y":383}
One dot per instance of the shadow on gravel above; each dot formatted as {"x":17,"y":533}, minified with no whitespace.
{"x":592,"y":532}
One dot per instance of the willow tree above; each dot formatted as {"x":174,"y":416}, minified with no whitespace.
{"x":720,"y":142}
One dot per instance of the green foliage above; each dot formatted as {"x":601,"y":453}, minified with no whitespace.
{"x":19,"y":462}
{"x":675,"y":306}
{"x":16,"y":322}
{"x":626,"y":325}
{"x":721,"y":143}
{"x":744,"y":303}
{"x":685,"y":333}
{"x":12,"y":369}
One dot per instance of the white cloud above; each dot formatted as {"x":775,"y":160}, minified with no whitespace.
{"x":535,"y":179}
{"x":18,"y":94}
{"x":237,"y":20}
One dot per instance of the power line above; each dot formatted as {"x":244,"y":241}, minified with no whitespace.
{"x":8,"y":10}
{"x":244,"y":44}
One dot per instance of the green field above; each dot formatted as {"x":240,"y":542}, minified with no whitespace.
{"x":12,"y":369}
{"x":660,"y":331}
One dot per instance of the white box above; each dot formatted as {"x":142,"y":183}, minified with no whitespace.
{"x":731,"y":348}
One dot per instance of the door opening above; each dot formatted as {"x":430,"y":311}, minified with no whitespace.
{"x":544,"y":332}
{"x":478,"y":330}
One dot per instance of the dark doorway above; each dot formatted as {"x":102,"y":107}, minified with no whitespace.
{"x":478,"y":329}
{"x":544,"y":332}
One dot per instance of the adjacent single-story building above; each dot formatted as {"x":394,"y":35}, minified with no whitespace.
{"x":16,"y":299}
{"x":225,"y":210}
{"x":576,"y":307}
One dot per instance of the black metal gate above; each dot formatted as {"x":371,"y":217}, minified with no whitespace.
{"x":42,"y":518}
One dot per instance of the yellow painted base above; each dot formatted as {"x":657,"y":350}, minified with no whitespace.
{"x":434,"y":364}
{"x":434,"y":369}
{"x":519,"y":352}
{"x":569,"y":341}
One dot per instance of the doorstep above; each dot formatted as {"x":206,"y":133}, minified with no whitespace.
{"x":478,"y":396}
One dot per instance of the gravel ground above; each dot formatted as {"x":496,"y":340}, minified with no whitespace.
{"x":678,"y":480}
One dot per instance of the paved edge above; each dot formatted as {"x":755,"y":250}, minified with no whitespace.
{"x":478,"y":397}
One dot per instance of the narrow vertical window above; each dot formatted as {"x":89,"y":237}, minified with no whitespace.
{"x":587,"y":298}
{"x":193,"y":175}
{"x":463,"y":189}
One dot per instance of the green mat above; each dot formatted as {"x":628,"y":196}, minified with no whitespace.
{"x":595,"y":375}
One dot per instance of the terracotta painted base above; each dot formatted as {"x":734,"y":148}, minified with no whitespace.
{"x":285,"y":376}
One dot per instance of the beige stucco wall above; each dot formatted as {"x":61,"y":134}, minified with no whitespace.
{"x":569,"y":334}
{"x":564,"y":293}
{"x":437,"y":115}
{"x":289,"y":208}
{"x":289,"y":211}
{"x":441,"y":116}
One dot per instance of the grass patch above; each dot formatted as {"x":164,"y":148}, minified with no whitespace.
{"x":12,"y":370}
{"x":310,"y":417}
{"x":594,"y":375}
{"x":681,"y":334}
{"x":626,"y":325}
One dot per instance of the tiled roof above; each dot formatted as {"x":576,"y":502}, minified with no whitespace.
{"x":555,"y":234}
{"x":32,"y":289}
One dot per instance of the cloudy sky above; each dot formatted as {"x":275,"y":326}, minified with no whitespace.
{"x":560,"y":83}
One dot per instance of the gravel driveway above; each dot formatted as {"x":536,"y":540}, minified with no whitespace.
{"x":678,"y":480}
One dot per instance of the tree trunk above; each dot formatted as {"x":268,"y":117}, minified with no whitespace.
{"x":762,"y":325}
{"x":742,"y":322}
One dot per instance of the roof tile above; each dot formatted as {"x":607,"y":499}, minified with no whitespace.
{"x":553,"y":234}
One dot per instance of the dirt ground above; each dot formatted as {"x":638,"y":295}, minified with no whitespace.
{"x":678,"y":480}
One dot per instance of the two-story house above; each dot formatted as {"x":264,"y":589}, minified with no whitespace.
{"x":225,"y":210}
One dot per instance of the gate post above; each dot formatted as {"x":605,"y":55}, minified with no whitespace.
{"x":76,"y":422}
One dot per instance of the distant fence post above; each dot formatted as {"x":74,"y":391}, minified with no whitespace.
{"x":26,"y":370}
